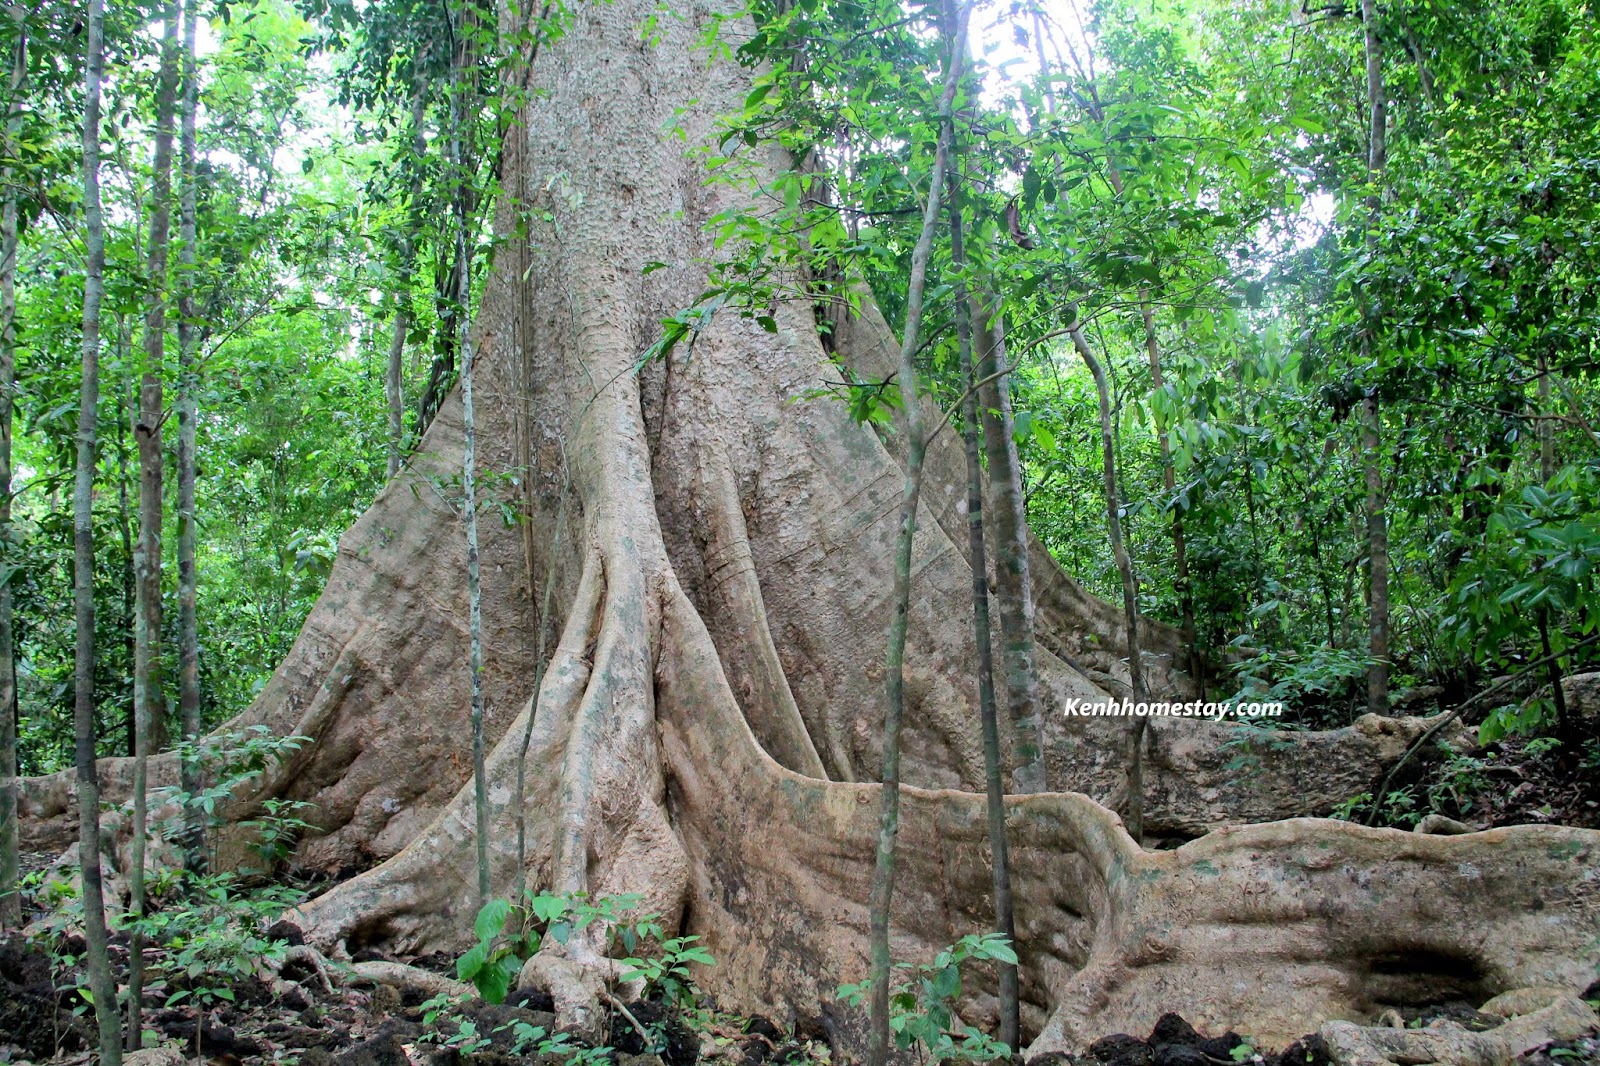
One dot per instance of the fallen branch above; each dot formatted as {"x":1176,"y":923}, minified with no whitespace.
{"x":649,"y":1041}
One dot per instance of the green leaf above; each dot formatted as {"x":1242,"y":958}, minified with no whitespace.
{"x":758,"y":94}
{"x":492,"y":919}
{"x":494,"y":983}
{"x":548,"y":908}
{"x":469,"y":965}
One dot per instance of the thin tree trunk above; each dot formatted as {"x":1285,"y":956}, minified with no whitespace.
{"x":519,"y":799}
{"x":1553,"y":674}
{"x":127,"y":414}
{"x":102,"y":986}
{"x":994,"y":786}
{"x":1134,"y":762}
{"x":149,"y":699}
{"x":882,"y":893}
{"x":1372,"y":418}
{"x":1547,"y":426}
{"x":394,"y":379}
{"x":1013,"y":581}
{"x":1169,"y":480}
{"x":460,"y":322}
{"x":1180,"y":552}
{"x":1547,"y":470}
{"x":188,"y":384}
{"x":10,"y":865}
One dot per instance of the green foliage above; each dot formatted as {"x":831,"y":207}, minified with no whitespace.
{"x":666,"y":972}
{"x":508,"y":934}
{"x":1399,"y":808}
{"x":492,"y":964}
{"x":228,"y":764}
{"x":212,"y":939}
{"x":533,"y":1040}
{"x":438,"y":1016}
{"x":922,"y":1002}
{"x":1320,"y":682}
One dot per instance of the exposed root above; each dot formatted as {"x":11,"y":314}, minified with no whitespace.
{"x":1446,"y":1042}
{"x":309,"y":956}
{"x":399,"y":975}
{"x":577,"y":982}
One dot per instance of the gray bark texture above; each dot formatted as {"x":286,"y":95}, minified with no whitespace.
{"x":187,"y":410}
{"x":101,"y":982}
{"x":721,"y":593}
{"x":10,"y":865}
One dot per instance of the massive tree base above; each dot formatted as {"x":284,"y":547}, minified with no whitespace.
{"x":721,"y":582}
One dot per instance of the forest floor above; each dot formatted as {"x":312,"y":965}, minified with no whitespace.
{"x":45,"y":1019}
{"x":1514,"y":781}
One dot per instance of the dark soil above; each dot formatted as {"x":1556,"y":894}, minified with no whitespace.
{"x":1500,"y":784}
{"x":33,"y":1014}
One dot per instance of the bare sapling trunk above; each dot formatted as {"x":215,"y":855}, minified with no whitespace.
{"x":149,"y":698}
{"x":102,"y":986}
{"x":394,"y":377}
{"x":916,"y":443}
{"x":1134,"y":759}
{"x":460,"y":319}
{"x":1371,"y":414}
{"x":1169,"y":480}
{"x":1547,"y":470}
{"x":1547,"y":425}
{"x":541,"y":665}
{"x":993,"y":770}
{"x":10,"y":839}
{"x":393,"y":382}
{"x":1013,"y":575}
{"x":188,"y":412}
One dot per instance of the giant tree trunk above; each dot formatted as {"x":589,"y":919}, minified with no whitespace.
{"x":723,"y":592}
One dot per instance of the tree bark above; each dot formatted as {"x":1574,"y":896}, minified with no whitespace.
{"x":1013,"y":574}
{"x":149,"y":696}
{"x":1133,"y":760}
{"x":101,"y":983}
{"x":1371,"y":414}
{"x":883,"y":876}
{"x":188,"y":414}
{"x":10,"y":865}
{"x":993,"y":768}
